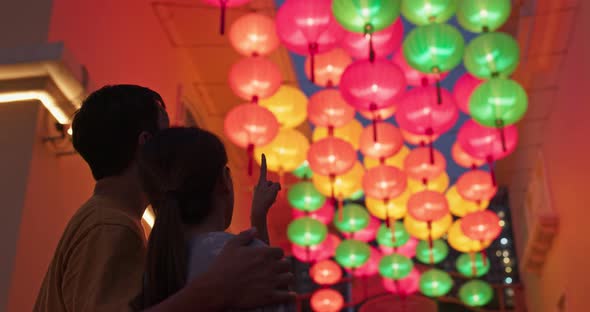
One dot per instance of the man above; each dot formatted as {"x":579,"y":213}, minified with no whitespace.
{"x":98,"y":264}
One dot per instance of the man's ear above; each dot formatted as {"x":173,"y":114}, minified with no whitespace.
{"x":144,"y":136}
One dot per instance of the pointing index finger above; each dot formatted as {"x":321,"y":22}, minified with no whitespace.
{"x":262,"y":177}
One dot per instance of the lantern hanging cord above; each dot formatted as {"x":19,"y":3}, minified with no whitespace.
{"x":223,"y":7}
{"x":373,"y":110}
{"x":369,"y":34}
{"x":313,"y":50}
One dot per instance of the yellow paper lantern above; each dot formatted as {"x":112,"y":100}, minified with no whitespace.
{"x":462,"y":243}
{"x":286,"y":152}
{"x":396,"y":160}
{"x":394,"y":208}
{"x":459,"y":206}
{"x":344,"y":185}
{"x":350,"y":132}
{"x":419,"y":229}
{"x":440,"y":184}
{"x":289,"y":105}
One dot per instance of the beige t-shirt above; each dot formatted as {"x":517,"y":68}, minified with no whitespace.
{"x":98,"y":263}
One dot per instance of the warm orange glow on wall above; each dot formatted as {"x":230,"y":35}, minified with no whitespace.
{"x":40,"y":95}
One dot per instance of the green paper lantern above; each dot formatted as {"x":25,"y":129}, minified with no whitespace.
{"x":435,"y":283}
{"x":304,"y":196}
{"x":439,"y":251}
{"x":385,"y":237}
{"x":465,"y":265}
{"x":483,"y":15}
{"x":491,"y":55}
{"x":498,"y":103}
{"x":395,"y":266}
{"x":354,"y":218}
{"x":351,"y":253}
{"x":357,"y":195}
{"x":303,"y":171}
{"x":363,"y":16}
{"x":434,"y":48}
{"x":476,"y":293}
{"x":423,"y":12}
{"x":306,"y":232}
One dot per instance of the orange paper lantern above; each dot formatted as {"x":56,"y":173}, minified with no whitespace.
{"x":477,"y":186}
{"x":396,"y":160}
{"x":350,"y":132}
{"x":428,"y":206}
{"x":418,"y":139}
{"x":331,"y":156}
{"x":326,"y":300}
{"x":481,"y":225}
{"x":254,"y":34}
{"x":329,"y":66}
{"x":326,"y":272}
{"x":328,"y":109}
{"x":463,"y":159}
{"x":384,"y":182}
{"x":254,"y":78}
{"x":380,"y":140}
{"x":424,"y":164}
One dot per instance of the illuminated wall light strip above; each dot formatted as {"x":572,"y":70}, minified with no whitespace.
{"x":42,"y":96}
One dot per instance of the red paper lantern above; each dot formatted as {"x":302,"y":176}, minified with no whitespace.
{"x":384,"y":42}
{"x":423,"y":110}
{"x":463,"y":89}
{"x":326,"y":272}
{"x":329,"y":67}
{"x":424,"y":164}
{"x":463,"y":159}
{"x":406,"y":286}
{"x":418,"y":139}
{"x":331,"y":156}
{"x":223,"y":5}
{"x":408,"y":249}
{"x":481,"y":225}
{"x":380,"y":114}
{"x":254,"y":34}
{"x":414,"y":77}
{"x":428,"y":206}
{"x":320,"y":252}
{"x":384,"y":182}
{"x":254,"y":78}
{"x":325,"y":214}
{"x":307,"y":27}
{"x":389,"y":140}
{"x":477,"y":186}
{"x":367,"y":234}
{"x":328,"y":109}
{"x":371,"y":267}
{"x":326,"y":300}
{"x":486,"y":143}
{"x":250,"y":125}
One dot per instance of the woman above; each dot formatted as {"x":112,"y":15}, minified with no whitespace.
{"x":185,"y":176}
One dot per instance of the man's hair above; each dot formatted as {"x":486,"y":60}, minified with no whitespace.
{"x":107,"y":126}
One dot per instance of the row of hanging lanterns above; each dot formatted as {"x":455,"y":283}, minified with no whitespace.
{"x":410,"y":211}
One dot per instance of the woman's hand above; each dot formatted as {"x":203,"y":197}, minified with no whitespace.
{"x":265,"y":194}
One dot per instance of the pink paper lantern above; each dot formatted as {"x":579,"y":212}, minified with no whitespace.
{"x":367,"y":234}
{"x":223,"y":5}
{"x":254,"y":78}
{"x":331,"y":156}
{"x":385,"y":42}
{"x":481,"y":225}
{"x":414,"y":77}
{"x":486,"y":143}
{"x":421,"y":112}
{"x":404,"y":287}
{"x":463,"y":89}
{"x":389,"y":140}
{"x":325,"y":214}
{"x":408,"y":249}
{"x":320,"y":252}
{"x":428,"y":206}
{"x":384,"y":182}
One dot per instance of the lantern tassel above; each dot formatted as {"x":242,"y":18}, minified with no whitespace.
{"x":374,"y":130}
{"x":431,"y":152}
{"x":371,"y":49}
{"x":373,"y":109}
{"x":473,"y":265}
{"x":313,"y":49}
{"x":250,"y":151}
{"x":223,"y":5}
{"x":500,"y":126}
{"x":492,"y":173}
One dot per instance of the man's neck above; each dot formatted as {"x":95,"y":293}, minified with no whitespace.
{"x":123,"y":189}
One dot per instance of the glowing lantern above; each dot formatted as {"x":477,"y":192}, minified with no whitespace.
{"x":303,"y":171}
{"x":384,"y":182}
{"x":436,"y":254}
{"x":331,"y":156}
{"x":434,"y":48}
{"x":327,"y":108}
{"x":428,"y":206}
{"x":223,"y":5}
{"x":435,"y":283}
{"x":408,"y":249}
{"x":492,"y":55}
{"x":424,"y":164}
{"x":395,"y":266}
{"x":498,"y":103}
{"x":354,"y":218}
{"x":392,"y":238}
{"x":326,"y":272}
{"x":487,"y":143}
{"x":366,"y":16}
{"x":463,"y":159}
{"x":420,"y":229}
{"x":307,"y":27}
{"x":254,"y":34}
{"x":367,"y":234}
{"x":396,"y":160}
{"x":342,"y":186}
{"x":320,"y":252}
{"x":476,"y":293}
{"x":481,"y":225}
{"x":379,"y":115}
{"x":418,"y":139}
{"x":414,"y":77}
{"x":483,"y":15}
{"x":439,"y":184}
{"x":352,"y":253}
{"x":254,"y":78}
{"x":350,"y":132}
{"x":250,"y":125}
{"x":324,"y":214}
{"x":303,"y":196}
{"x":371,"y":267}
{"x":384,"y":42}
{"x":306,"y":232}
{"x":423,"y":12}
{"x":285,"y":152}
{"x":463,"y":90}
{"x":393,"y":208}
{"x":472,"y":265}
{"x":329,"y":67}
{"x":476,"y":186}
{"x":405,"y":286}
{"x":389,"y":141}
{"x":425,"y":111}
{"x":462,"y":243}
{"x":459,"y":206}
{"x":289,"y":105}
{"x":326,"y":300}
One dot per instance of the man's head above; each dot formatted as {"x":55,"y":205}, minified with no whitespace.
{"x":112,"y":122}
